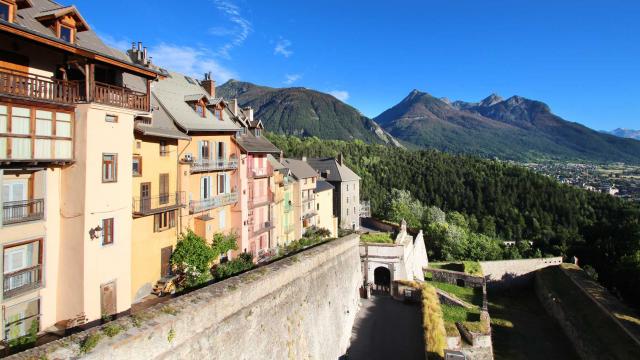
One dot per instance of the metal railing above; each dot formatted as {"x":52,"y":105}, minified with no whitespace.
{"x":119,"y":96}
{"x":213,"y":165}
{"x":212,"y":203}
{"x":18,"y":83}
{"x":155,"y":204}
{"x":266,"y":226}
{"x":21,"y":281}
{"x":260,"y":171}
{"x":14,"y":212}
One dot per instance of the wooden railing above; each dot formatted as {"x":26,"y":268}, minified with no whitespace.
{"x":119,"y":96}
{"x":37,"y":87}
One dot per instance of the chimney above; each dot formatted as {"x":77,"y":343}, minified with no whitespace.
{"x":233,"y":104}
{"x":281,"y":156}
{"x":250,"y":111}
{"x":340,"y":159}
{"x":209,"y":84}
{"x":304,"y":158}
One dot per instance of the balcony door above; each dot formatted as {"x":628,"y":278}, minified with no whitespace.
{"x":14,"y":193}
{"x":145,"y":196}
{"x":21,"y":267}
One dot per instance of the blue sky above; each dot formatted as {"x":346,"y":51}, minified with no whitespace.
{"x":580,"y":57}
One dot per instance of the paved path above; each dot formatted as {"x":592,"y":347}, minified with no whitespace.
{"x":387,"y":329}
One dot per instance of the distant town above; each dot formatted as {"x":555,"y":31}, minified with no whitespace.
{"x":616,"y":179}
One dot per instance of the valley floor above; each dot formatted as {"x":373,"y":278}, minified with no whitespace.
{"x":523,"y":330}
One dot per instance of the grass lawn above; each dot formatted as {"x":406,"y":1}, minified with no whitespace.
{"x":452,"y":314}
{"x":522,"y":330}
{"x":469,"y":267}
{"x":468,"y":294}
{"x":380,"y":238}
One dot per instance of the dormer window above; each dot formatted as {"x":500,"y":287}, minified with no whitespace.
{"x":258,"y":132}
{"x":200,"y":109}
{"x":66,"y":33}
{"x":5,"y":11}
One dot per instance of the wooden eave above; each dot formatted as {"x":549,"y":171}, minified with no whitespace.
{"x":76,"y":50}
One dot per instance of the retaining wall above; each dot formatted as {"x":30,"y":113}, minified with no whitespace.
{"x":514,"y":272}
{"x":297,"y":308}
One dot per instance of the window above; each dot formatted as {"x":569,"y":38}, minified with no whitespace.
{"x":223,"y":183}
{"x":109,"y":167}
{"x":347,"y":187}
{"x":22,"y":270}
{"x":163,"y":148}
{"x":164,"y":189}
{"x":205,"y":187}
{"x":137,"y":165}
{"x":5,"y":11}
{"x":318,"y":206}
{"x":138,"y":144}
{"x":107,"y":231}
{"x":347,"y":199}
{"x":66,"y":33}
{"x":164,"y":221}
{"x":200,"y":109}
{"x":222,"y":150}
{"x":204,"y":149}
{"x":111,"y":118}
{"x":217,"y":114}
{"x":20,"y":318}
{"x":222,"y":218}
{"x":258,"y":132}
{"x":347,"y":211}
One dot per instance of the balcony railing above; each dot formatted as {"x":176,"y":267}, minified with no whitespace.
{"x":119,"y":96}
{"x":153,"y":205}
{"x":212,"y":203}
{"x":265,"y":226}
{"x":21,"y":281}
{"x":14,"y":212}
{"x":261,"y":199}
{"x":257,"y":172}
{"x":37,"y":87}
{"x":213,"y":165}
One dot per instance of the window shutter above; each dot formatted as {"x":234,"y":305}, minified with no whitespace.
{"x":224,"y":150}
{"x":156,"y":222}
{"x":210,"y":185}
{"x":212,"y":150}
{"x":202,"y":185}
{"x":172,"y":219}
{"x":227,"y":185}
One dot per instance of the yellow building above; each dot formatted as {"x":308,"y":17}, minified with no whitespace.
{"x":156,"y":200}
{"x":208,"y":160}
{"x":283,"y":205}
{"x":324,"y":207}
{"x":304,"y":197}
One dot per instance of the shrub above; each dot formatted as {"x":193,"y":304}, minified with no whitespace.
{"x":435,"y":336}
{"x":241,"y":263}
{"x":25,"y":342}
{"x":383,"y":238}
{"x":89,"y":342}
{"x":112,"y":329}
{"x":192,"y":259}
{"x":224,"y":243}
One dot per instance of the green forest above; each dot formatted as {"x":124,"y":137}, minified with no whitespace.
{"x":497,"y":200}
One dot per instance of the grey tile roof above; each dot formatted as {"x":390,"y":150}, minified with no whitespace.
{"x":322,"y":185}
{"x":170,"y":94}
{"x":300,"y":169}
{"x":256,"y":144}
{"x":88,"y":40}
{"x":337,"y":172}
{"x":162,"y":124}
{"x":275,"y":164}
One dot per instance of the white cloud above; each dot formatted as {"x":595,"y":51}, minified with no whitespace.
{"x":190,"y":61}
{"x":122,"y":44}
{"x":239,"y":33}
{"x":283,"y":48}
{"x":291,"y":78}
{"x":341,"y":95}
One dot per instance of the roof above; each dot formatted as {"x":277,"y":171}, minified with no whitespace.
{"x":27,"y":19}
{"x":275,"y":164}
{"x":322,"y":185}
{"x":300,"y":169}
{"x":256,"y":144}
{"x":337,"y":172}
{"x":171,"y":93}
{"x":162,"y":124}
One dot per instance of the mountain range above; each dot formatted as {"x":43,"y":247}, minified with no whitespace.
{"x":625,"y":133}
{"x":516,"y":128}
{"x":304,"y":112}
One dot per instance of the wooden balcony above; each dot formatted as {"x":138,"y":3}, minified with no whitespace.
{"x":35,"y":87}
{"x":40,"y":88}
{"x":155,"y":204}
{"x":118,"y":96}
{"x":14,"y":212}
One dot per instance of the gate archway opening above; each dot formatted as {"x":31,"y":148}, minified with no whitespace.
{"x":382,"y":279}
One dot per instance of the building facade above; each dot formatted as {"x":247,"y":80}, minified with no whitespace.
{"x":304,"y":197}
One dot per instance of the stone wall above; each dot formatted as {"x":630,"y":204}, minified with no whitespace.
{"x":296,"y":308}
{"x":514,"y":272}
{"x":454,"y":277}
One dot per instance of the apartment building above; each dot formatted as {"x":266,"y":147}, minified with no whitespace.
{"x":259,"y":185}
{"x":304,"y":197}
{"x":346,"y":195}
{"x":157,"y":199}
{"x":208,"y":159}
{"x":65,"y":231}
{"x":283,"y":219}
{"x":324,"y":207}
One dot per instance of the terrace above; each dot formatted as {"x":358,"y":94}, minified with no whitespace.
{"x":15,"y":212}
{"x":196,"y":206}
{"x":143,"y":206}
{"x":204,"y":165}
